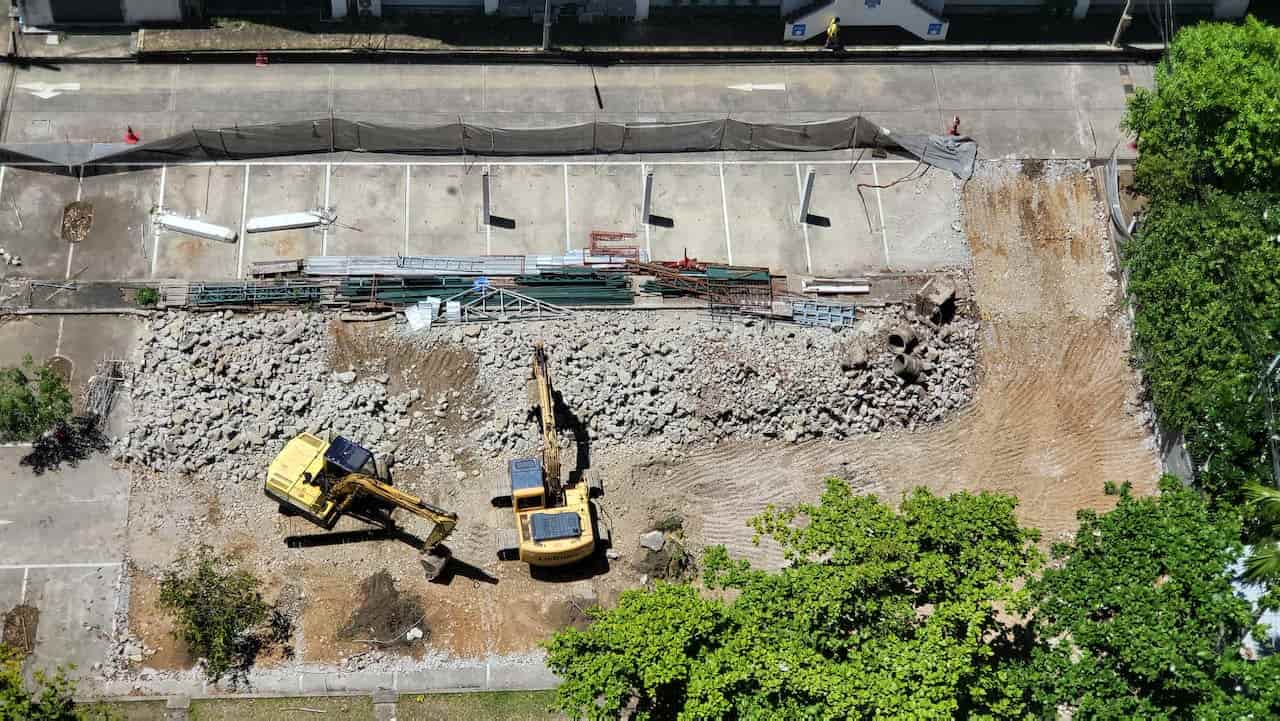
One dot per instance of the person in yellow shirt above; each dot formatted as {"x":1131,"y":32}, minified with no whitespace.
{"x":833,"y":34}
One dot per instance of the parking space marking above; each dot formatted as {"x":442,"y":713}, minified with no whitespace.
{"x":884,"y":234}
{"x":324,"y":231}
{"x":568,"y":243}
{"x":155,"y":232}
{"x":71,"y":251}
{"x":25,"y":566}
{"x":407,"y":179}
{"x":244,"y":208}
{"x":724,"y":206}
{"x":23,"y":595}
{"x":648,"y":242}
{"x":488,"y":227}
{"x":804,"y":225}
{"x":57,"y":347}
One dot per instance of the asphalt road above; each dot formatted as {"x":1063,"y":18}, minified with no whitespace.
{"x":1045,"y":110}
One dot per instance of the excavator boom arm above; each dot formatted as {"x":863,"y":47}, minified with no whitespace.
{"x":353,"y":484}
{"x":550,"y":437}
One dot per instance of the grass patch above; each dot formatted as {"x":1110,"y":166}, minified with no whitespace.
{"x":131,"y":710}
{"x":347,"y":708}
{"x":488,"y":706}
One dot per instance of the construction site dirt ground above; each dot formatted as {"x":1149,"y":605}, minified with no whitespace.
{"x":1057,"y":413}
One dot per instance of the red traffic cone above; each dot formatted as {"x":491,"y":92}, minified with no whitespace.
{"x":261,"y":60}
{"x":954,"y":127}
{"x":131,"y":137}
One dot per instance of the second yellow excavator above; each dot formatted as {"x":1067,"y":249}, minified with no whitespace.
{"x":323,"y":480}
{"x":554,"y":523}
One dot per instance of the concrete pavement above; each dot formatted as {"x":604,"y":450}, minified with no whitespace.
{"x":1038,"y":110}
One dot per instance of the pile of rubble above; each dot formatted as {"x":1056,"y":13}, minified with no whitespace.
{"x":634,"y":377}
{"x":222,"y":393}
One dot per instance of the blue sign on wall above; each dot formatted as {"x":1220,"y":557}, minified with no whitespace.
{"x":797,"y":30}
{"x":935,"y":28}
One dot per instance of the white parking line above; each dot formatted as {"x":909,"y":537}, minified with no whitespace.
{"x":324,"y":232}
{"x":804,"y":226}
{"x":568,"y":243}
{"x":71,"y":252}
{"x":26,"y":566}
{"x":724,"y":206}
{"x":648,"y":242}
{"x":244,"y":208}
{"x":155,"y":231}
{"x":884,"y":234}
{"x":23,"y":596}
{"x":406,"y":209}
{"x":488,"y":226}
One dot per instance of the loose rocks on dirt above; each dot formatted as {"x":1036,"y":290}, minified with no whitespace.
{"x":634,"y":377}
{"x":223,"y":393}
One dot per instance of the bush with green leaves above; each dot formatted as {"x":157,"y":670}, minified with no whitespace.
{"x":1205,"y":267}
{"x":146,"y":297}
{"x":1215,"y":105}
{"x":1205,"y":280}
{"x":217,"y":609}
{"x":32,"y":399}
{"x":50,"y":698}
{"x":882,"y":613}
{"x":1137,"y":619}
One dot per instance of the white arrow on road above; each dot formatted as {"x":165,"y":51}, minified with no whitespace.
{"x":749,"y":87}
{"x":44,"y":91}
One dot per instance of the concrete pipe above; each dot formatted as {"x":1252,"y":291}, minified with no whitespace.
{"x":907,"y":367}
{"x":902,"y":339}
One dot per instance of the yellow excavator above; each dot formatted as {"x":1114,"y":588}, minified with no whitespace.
{"x":553,"y":520}
{"x":323,"y":480}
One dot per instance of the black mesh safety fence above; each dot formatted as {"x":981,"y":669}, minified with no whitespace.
{"x":329,"y":135}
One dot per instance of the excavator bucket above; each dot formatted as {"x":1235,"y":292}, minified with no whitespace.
{"x":433,"y":562}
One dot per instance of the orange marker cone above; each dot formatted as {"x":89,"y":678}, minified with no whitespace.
{"x":131,"y":137}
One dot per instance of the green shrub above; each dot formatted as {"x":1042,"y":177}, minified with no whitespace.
{"x":146,"y":297}
{"x":216,"y":606}
{"x":31,"y":400}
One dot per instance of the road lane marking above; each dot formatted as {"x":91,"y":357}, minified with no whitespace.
{"x":752,"y":87}
{"x":48,"y":91}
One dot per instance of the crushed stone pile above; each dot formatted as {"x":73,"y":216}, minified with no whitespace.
{"x":222,"y":393}
{"x":629,"y":377}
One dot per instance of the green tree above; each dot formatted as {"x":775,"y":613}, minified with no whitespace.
{"x":880,"y":614}
{"x":31,"y":400}
{"x":49,"y":700}
{"x":216,"y":607}
{"x":1215,"y":105}
{"x":1205,"y":280}
{"x":1263,"y":563}
{"x":1139,"y":620}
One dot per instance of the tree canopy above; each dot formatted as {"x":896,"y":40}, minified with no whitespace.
{"x":880,"y":614}
{"x":31,"y":400}
{"x":916,"y":614}
{"x":51,"y":699}
{"x":1205,"y":268}
{"x":1140,"y":619}
{"x":1216,"y":105}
